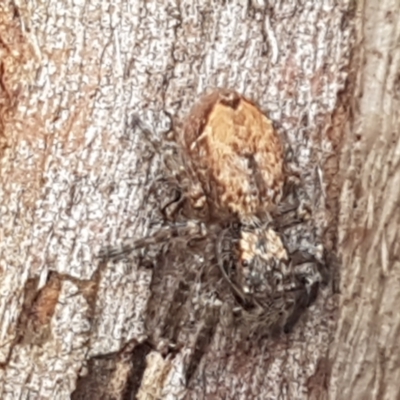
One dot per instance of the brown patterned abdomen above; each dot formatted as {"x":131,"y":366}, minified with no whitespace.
{"x":235,"y":153}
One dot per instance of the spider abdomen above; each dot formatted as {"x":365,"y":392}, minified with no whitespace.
{"x":235,"y":153}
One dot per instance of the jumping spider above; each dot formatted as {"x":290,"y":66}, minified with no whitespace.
{"x":234,"y":187}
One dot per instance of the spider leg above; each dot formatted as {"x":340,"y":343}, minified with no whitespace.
{"x":117,"y":253}
{"x":191,"y":230}
{"x":220,"y":259}
{"x":170,"y":209}
{"x":300,"y":307}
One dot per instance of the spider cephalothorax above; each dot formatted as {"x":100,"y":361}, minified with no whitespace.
{"x":262,"y":262}
{"x":273,"y":287}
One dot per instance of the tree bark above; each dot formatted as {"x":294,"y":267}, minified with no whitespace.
{"x":75,"y":176}
{"x":364,"y":352}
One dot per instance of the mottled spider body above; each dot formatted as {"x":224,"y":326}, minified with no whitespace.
{"x":273,"y":286}
{"x":231,"y":163}
{"x":235,"y":154}
{"x":262,"y":262}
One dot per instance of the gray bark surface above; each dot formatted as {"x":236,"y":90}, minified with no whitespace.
{"x":74,"y":176}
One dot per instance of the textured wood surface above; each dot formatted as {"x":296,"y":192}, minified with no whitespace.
{"x":73,"y":174}
{"x":365,"y":351}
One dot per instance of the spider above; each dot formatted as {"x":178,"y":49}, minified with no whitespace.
{"x":234,"y":191}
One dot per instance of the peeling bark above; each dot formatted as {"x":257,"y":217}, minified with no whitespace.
{"x":74,"y":177}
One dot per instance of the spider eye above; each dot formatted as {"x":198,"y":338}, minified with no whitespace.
{"x":245,"y":263}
